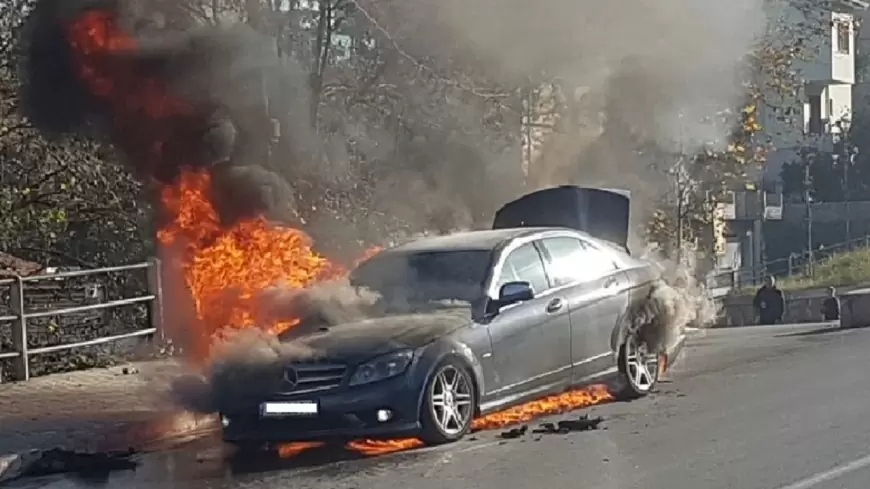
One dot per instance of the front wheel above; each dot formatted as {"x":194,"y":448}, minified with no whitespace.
{"x":449,"y":404}
{"x":638,"y":367}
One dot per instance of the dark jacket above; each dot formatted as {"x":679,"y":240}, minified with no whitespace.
{"x":769,"y":303}
{"x":831,"y":309}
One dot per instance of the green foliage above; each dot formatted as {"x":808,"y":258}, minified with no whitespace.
{"x":842,"y":269}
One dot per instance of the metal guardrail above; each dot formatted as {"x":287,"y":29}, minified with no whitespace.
{"x":21,"y":353}
{"x":795,"y":264}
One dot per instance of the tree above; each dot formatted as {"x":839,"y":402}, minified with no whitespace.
{"x":62,"y":202}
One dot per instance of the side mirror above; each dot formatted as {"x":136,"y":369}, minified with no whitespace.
{"x":513,"y":292}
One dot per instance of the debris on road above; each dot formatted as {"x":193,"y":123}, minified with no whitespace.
{"x":514,"y":433}
{"x":60,"y":461}
{"x":583,"y":423}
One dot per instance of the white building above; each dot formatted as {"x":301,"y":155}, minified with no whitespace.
{"x":814,"y":116}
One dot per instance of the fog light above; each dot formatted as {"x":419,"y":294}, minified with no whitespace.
{"x":384,"y":415}
{"x":225,"y":421}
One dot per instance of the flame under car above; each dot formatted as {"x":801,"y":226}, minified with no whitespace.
{"x":469,"y":324}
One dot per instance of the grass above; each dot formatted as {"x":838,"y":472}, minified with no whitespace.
{"x":842,"y":269}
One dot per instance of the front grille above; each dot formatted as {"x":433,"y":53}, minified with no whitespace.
{"x":313,"y":377}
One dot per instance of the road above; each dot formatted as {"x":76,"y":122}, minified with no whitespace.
{"x":781,"y":407}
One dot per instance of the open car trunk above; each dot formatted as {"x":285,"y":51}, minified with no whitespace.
{"x":601,"y":213}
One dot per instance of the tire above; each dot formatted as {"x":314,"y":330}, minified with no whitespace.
{"x":451,"y":385}
{"x":638,"y":368}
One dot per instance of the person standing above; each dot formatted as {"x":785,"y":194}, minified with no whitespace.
{"x":769,"y":303}
{"x":831,"y":306}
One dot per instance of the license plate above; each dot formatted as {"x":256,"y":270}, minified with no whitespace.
{"x":297,"y":408}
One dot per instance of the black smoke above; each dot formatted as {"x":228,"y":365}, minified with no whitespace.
{"x":221,"y":76}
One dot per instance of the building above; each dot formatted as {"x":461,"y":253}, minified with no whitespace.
{"x":812,"y":118}
{"x":816,"y":115}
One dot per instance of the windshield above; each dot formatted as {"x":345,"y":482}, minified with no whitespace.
{"x":436,"y":278}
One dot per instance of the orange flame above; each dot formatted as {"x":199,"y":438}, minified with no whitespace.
{"x":223,"y":268}
{"x":555,"y":404}
{"x":290,"y":450}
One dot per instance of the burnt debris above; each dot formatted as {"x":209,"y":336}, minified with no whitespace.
{"x":514,"y":432}
{"x":86,"y":466}
{"x":581,"y":423}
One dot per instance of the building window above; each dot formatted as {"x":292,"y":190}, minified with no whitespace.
{"x":815,"y":122}
{"x":844,"y":37}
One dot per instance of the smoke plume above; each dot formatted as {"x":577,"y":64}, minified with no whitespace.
{"x":634,"y":73}
{"x":678,"y":301}
{"x":182,"y":101}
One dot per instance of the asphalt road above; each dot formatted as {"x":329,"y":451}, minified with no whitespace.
{"x":783,"y":407}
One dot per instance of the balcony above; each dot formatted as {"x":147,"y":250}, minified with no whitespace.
{"x":752,"y":206}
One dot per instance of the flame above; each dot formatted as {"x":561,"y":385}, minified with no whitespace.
{"x":555,"y":404}
{"x":223,"y":267}
{"x":290,"y":450}
{"x":144,"y":116}
{"x":371,"y":448}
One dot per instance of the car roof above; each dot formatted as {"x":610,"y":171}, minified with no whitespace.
{"x":468,"y":240}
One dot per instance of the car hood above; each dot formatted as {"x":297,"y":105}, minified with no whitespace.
{"x":361,"y":340}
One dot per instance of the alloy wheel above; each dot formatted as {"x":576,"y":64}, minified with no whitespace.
{"x":451,"y":400}
{"x":641,"y":366}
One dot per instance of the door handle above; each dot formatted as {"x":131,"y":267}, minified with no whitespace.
{"x":611,"y":282}
{"x":554,"y":305}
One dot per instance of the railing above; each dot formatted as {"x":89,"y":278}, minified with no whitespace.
{"x":21,"y":317}
{"x":795,"y":264}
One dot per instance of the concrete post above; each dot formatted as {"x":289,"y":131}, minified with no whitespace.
{"x":21,"y":363}
{"x":155,"y":306}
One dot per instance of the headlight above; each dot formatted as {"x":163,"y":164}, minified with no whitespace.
{"x":382,"y":368}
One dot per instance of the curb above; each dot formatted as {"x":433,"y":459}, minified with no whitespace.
{"x":149,"y":435}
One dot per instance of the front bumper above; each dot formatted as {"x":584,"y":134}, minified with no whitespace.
{"x":343,"y":414}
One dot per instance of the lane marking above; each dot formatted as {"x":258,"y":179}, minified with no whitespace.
{"x":830,"y":474}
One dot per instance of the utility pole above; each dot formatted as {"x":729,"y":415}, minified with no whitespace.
{"x":680,"y":210}
{"x":809,"y":214}
{"x":680,"y":191}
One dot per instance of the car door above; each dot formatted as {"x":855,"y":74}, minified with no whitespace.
{"x":587,"y":280}
{"x":614,"y":289}
{"x":530,"y":340}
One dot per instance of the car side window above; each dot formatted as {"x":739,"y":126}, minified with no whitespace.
{"x":598,"y":261}
{"x":524,"y":264}
{"x":573,"y":260}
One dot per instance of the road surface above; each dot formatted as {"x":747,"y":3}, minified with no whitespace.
{"x":782,"y":407}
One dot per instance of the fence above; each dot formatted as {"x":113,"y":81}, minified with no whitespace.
{"x":794,"y":264}
{"x":51,"y":289}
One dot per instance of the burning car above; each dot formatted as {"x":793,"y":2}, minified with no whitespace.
{"x":471,"y":323}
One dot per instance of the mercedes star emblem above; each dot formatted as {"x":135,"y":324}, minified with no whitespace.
{"x":291,"y":377}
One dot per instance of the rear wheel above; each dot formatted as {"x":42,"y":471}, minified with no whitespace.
{"x":638,"y":367}
{"x":449,"y":404}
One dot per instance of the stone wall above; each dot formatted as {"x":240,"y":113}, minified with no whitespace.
{"x":802,"y":306}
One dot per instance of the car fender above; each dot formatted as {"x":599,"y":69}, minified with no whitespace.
{"x":432,"y":355}
{"x":639,"y":295}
